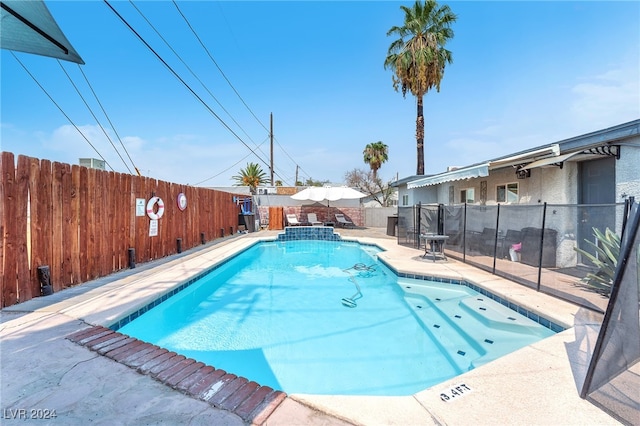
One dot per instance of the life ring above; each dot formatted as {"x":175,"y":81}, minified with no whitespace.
{"x":150,"y":212}
{"x":182,"y":201}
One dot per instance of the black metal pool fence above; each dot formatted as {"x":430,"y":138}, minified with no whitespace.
{"x":540,"y":246}
{"x":611,"y":380}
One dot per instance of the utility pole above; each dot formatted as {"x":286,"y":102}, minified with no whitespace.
{"x":296,"y":182}
{"x":271,"y":133}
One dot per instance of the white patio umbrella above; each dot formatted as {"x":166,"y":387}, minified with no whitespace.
{"x":328,"y":193}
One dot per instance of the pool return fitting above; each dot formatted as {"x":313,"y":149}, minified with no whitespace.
{"x":364,"y":271}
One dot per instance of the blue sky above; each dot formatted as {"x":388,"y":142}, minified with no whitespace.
{"x":524,"y":74}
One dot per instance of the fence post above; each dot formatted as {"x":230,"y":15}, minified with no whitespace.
{"x":416,"y":229}
{"x":495,"y":240}
{"x":544,"y":218}
{"x":628,"y":203}
{"x":464,"y":234}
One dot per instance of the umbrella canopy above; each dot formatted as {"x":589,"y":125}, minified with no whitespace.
{"x":27,"y":26}
{"x":329,"y":193}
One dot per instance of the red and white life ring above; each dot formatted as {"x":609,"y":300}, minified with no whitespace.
{"x":150,"y":211}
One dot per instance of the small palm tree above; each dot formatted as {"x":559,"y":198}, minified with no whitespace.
{"x":418,"y":57}
{"x":251,"y":176}
{"x":374,"y":155}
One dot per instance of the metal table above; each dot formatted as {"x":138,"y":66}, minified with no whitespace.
{"x":434,"y":245}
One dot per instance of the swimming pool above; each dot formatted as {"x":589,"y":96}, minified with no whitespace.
{"x":275,"y":314}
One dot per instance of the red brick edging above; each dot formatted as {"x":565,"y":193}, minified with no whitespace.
{"x":250,"y":401}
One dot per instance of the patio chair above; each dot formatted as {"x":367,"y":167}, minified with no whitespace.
{"x":292,"y":220}
{"x":313,"y":219}
{"x":342,"y":221}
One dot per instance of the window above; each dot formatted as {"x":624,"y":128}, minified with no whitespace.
{"x":507,"y":193}
{"x":405,"y":200}
{"x":467,"y":195}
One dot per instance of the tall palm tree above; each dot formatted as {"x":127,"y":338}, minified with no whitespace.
{"x":374,"y":155}
{"x":418,"y":57}
{"x":250,"y":176}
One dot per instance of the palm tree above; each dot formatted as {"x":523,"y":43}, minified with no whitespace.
{"x":250,"y":176}
{"x":418,"y":57}
{"x":374,"y":155}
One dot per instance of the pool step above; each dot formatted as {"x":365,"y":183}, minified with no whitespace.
{"x":498,"y":316}
{"x":250,"y":401}
{"x":432,"y":290}
{"x":448,"y":335}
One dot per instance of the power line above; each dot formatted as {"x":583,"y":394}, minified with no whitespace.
{"x":191,"y":90}
{"x":191,"y":71}
{"x":184,"y":83}
{"x":294,"y":161}
{"x":188,"y":87}
{"x":61,"y":110}
{"x":227,"y":169}
{"x":227,"y":79}
{"x":109,"y":120}
{"x":216,"y":64}
{"x":94,"y":116}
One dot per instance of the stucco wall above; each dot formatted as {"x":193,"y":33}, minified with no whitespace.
{"x":552,"y":185}
{"x":424,"y":195}
{"x":628,"y":172}
{"x":377,"y":217}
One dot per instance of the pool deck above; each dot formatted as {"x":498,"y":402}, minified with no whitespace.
{"x":42,"y":369}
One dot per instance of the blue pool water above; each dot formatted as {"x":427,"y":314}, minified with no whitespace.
{"x":275,"y":315}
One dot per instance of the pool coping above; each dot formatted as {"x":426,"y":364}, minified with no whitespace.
{"x":103,"y":305}
{"x":249,"y":400}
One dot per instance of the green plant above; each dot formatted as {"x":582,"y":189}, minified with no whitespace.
{"x":251,"y":176}
{"x":374,"y":155}
{"x":607,"y":251}
{"x":418,"y":57}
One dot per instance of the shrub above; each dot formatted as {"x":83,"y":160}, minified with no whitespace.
{"x":607,"y":251}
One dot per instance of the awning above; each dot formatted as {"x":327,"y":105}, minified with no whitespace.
{"x":557,"y":160}
{"x":27,"y":26}
{"x":524,"y":157}
{"x":481,"y":170}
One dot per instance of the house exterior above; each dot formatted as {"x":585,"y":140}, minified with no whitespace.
{"x":601,"y":167}
{"x":569,"y":188}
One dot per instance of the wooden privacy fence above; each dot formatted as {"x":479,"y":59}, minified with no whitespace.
{"x":82,"y":223}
